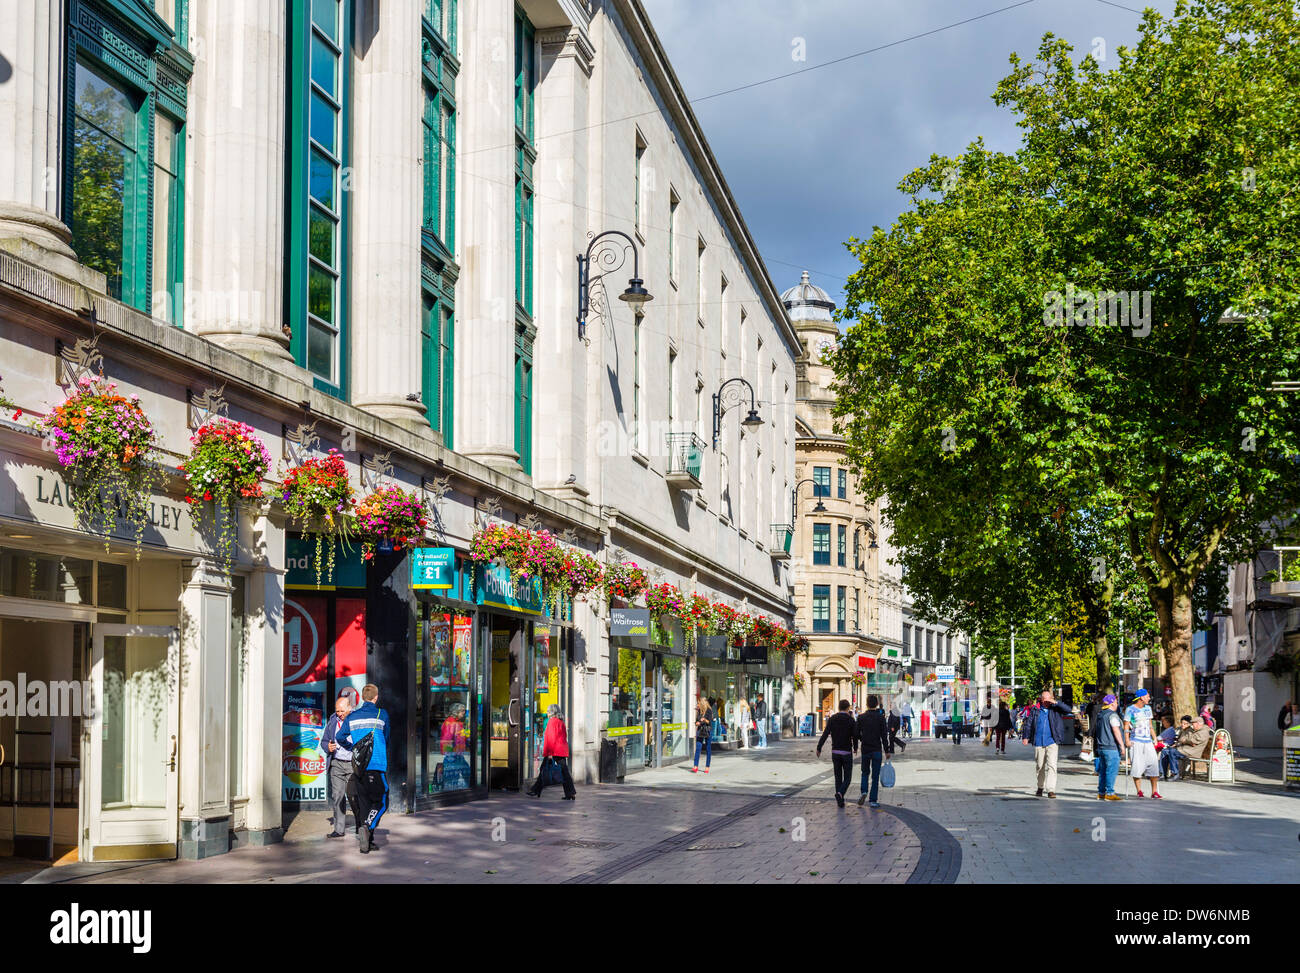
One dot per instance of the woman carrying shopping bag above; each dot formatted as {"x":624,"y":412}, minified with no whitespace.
{"x":703,"y":735}
{"x":555,"y":757}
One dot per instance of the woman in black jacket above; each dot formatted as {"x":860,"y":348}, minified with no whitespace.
{"x":1003,"y":725}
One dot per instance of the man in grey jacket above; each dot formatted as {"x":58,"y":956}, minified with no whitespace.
{"x":338,"y":767}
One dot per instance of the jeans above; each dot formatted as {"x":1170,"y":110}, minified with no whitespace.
{"x":707,"y":744}
{"x":1171,"y":762}
{"x":871,"y":769}
{"x":843,"y":772}
{"x":1108,"y":771}
{"x":956,"y":732}
{"x":907,"y":725}
{"x":1000,"y":740}
{"x":762,"y":733}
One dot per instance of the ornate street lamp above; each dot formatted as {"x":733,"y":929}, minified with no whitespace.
{"x":723,"y":400}
{"x":794,"y":499}
{"x":609,"y":257}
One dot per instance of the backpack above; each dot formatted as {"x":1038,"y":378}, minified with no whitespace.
{"x":362,"y":751}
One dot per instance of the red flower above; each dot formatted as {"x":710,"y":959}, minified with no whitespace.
{"x":18,"y":414}
{"x":207,"y":495}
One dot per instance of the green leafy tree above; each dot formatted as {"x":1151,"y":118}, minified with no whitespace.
{"x":991,"y":330}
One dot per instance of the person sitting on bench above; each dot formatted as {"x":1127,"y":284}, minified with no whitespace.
{"x":1191,"y":744}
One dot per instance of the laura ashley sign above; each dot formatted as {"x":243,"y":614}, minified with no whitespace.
{"x":40,"y":495}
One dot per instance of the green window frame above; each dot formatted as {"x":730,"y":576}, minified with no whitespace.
{"x":821,"y":547}
{"x":317,"y":231}
{"x":842,"y":484}
{"x":438,"y":363}
{"x":842,"y":543}
{"x":127,"y":85}
{"x":525,"y":159}
{"x":441,"y":69}
{"x":821,"y":481}
{"x":841,"y":608}
{"x":524,"y":337}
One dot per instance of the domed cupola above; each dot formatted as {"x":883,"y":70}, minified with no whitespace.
{"x":807,"y":302}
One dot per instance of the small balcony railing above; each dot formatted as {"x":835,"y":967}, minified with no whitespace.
{"x":685,"y":458}
{"x":1286,"y":583}
{"x":782,"y":538}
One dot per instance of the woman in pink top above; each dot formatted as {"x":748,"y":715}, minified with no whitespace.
{"x":555,"y":748}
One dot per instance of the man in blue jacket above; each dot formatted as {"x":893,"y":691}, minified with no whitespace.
{"x":368,"y":789}
{"x":1044,"y":730}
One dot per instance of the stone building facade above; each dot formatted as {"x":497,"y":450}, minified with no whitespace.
{"x":847,"y":591}
{"x":353,"y":225}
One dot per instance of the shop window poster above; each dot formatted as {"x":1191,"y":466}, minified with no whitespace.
{"x":306,"y":685}
{"x":451,"y":638}
{"x":306,"y":667}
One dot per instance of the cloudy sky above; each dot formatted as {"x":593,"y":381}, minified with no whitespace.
{"x":816,"y":158}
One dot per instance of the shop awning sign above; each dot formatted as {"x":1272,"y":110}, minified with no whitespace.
{"x":631,"y":626}
{"x":494,"y":586}
{"x":866,"y":662}
{"x":945,"y":673}
{"x":754,"y":653}
{"x":433,"y":568}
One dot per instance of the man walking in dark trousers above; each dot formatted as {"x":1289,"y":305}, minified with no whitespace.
{"x":368,"y":789}
{"x":844,"y":744}
{"x":338,"y":766}
{"x":895,"y":723}
{"x":874,"y":738}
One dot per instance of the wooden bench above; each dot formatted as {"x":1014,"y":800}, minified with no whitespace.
{"x":1204,"y":758}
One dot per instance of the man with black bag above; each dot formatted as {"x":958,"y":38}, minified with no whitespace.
{"x":365,"y":732}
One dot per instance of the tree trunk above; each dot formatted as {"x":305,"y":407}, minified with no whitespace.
{"x":1174,"y":610}
{"x":1102,"y":648}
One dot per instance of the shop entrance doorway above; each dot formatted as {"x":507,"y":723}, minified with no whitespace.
{"x":129,"y":790}
{"x":504,"y":642}
{"x":43,"y":662}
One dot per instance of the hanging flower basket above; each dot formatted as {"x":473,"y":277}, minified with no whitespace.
{"x":624,"y":582}
{"x":800,"y":680}
{"x":569,"y":573}
{"x":931,"y":677}
{"x":859,"y":679}
{"x":105,"y":443}
{"x":225,"y":467}
{"x":390,"y":514}
{"x":524,"y":553}
{"x":318,"y":496}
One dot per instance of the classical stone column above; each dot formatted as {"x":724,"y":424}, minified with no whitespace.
{"x":204,"y":705}
{"x":235,"y":173}
{"x":562,"y":221}
{"x":32,"y":42}
{"x":264,"y":632}
{"x":485,"y":297}
{"x":387,"y":204}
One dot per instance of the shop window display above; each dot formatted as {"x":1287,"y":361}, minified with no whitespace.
{"x":626,"y":704}
{"x":449,"y":678}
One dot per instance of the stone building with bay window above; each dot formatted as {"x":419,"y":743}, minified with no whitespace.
{"x":352,"y":225}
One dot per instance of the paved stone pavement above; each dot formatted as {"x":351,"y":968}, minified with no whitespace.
{"x":958,"y":813}
{"x":1242,"y":832}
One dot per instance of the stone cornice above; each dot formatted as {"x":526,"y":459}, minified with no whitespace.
{"x":568,"y":42}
